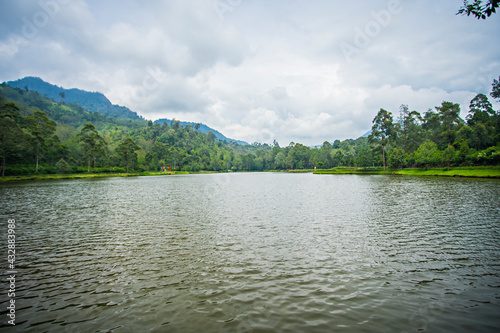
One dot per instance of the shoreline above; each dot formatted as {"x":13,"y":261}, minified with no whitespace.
{"x":488,"y":172}
{"x":67,"y":176}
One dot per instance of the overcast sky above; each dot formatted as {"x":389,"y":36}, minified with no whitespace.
{"x":257,"y":70}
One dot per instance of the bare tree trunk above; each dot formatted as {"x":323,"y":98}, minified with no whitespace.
{"x":37,"y":147}
{"x":3,"y":165}
{"x":383,"y":156}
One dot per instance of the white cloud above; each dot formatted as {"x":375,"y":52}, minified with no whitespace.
{"x":257,"y":70}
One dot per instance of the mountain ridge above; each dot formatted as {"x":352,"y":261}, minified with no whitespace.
{"x":204,"y":129}
{"x":96,"y":102}
{"x":91,"y":101}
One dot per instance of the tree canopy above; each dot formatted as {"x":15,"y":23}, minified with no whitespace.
{"x":39,"y":135}
{"x":93,"y":144}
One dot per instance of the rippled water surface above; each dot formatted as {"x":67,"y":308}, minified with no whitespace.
{"x":255,"y":252}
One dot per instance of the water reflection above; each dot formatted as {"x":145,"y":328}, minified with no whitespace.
{"x":256,"y":252}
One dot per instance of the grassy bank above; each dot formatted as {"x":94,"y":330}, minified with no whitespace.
{"x":475,"y":172}
{"x":86,"y":176}
{"x":294,"y":170}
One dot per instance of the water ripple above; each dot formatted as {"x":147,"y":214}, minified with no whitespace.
{"x":255,"y":253}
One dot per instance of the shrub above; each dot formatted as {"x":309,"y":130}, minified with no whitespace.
{"x":428,"y":154}
{"x":63,"y":166}
{"x":396,"y":159}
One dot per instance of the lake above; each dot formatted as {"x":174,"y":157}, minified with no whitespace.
{"x":254,"y":252}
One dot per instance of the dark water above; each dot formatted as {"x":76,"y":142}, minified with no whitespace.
{"x":258,"y":252}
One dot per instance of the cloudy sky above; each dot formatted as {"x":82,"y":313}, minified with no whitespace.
{"x":256,"y":70}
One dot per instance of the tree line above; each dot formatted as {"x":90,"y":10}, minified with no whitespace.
{"x":39,"y":135}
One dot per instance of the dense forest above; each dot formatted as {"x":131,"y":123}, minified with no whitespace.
{"x":41,"y":135}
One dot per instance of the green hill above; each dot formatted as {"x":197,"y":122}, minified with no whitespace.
{"x":39,"y":135}
{"x":95,"y":102}
{"x":204,"y":129}
{"x":90,"y":101}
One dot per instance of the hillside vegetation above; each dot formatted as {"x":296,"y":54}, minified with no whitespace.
{"x":94,"y":101}
{"x":40,"y":135}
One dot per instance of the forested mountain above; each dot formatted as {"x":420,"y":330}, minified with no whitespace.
{"x":204,"y":129}
{"x":95,"y":102}
{"x":90,"y":101}
{"x":40,"y":135}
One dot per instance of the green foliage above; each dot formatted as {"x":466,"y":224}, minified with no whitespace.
{"x":93,"y":144}
{"x":427,"y":154}
{"x":364,"y":157}
{"x":94,"y":101}
{"x":383,"y":131}
{"x":480,"y":110}
{"x":449,"y":116}
{"x":41,"y":129}
{"x":489,"y":156}
{"x":397,"y":158}
{"x":479,"y":10}
{"x":476,"y":171}
{"x":11,"y":138}
{"x":68,"y":139}
{"x":495,"y":92}
{"x":63,"y":166}
{"x":127,"y":152}
{"x":448,"y":155}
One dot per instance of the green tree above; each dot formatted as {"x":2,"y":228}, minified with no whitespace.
{"x":215,"y":163}
{"x":126,"y":151}
{"x":93,"y":144}
{"x":325,"y":154}
{"x":415,"y":132}
{"x":463,"y":151}
{"x":279,"y":160}
{"x":11,"y":136}
{"x":449,"y":115}
{"x":404,"y":121}
{"x":338,"y":157}
{"x":427,"y":154}
{"x":382,"y":131}
{"x":247,"y":161}
{"x":448,"y":155}
{"x":431,"y":124}
{"x":161,"y":150}
{"x":396,"y":159}
{"x":11,"y":110}
{"x":480,"y":138}
{"x":480,"y":110}
{"x":300,"y":156}
{"x":479,"y":10}
{"x":364,"y":157}
{"x":175,"y":124}
{"x":41,"y":128}
{"x":495,"y":91}
{"x":211,"y":137}
{"x":63,"y":166}
{"x":465,"y":133}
